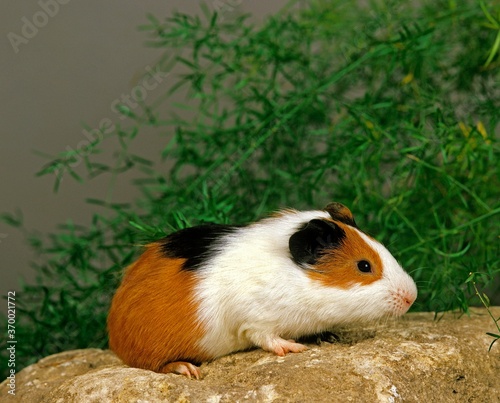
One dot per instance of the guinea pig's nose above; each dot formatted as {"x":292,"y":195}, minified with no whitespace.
{"x":409,"y":299}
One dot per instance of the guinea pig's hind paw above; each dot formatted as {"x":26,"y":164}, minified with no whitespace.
{"x":281,"y":346}
{"x":182,"y":368}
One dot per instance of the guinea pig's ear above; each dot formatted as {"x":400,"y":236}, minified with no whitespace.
{"x":308,"y":243}
{"x":341,"y":213}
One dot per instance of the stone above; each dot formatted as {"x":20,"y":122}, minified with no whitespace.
{"x":412,"y":359}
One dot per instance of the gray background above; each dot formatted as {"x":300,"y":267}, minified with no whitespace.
{"x":68,"y":73}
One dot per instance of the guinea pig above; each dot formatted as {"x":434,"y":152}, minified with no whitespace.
{"x":210,"y":290}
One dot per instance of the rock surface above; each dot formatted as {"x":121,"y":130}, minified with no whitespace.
{"x":412,"y":359}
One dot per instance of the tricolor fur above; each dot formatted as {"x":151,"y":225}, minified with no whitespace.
{"x":211,"y":290}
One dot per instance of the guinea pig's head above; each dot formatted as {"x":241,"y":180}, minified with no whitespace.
{"x":353,"y":266}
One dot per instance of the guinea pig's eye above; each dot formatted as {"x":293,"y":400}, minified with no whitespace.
{"x":364,"y":266}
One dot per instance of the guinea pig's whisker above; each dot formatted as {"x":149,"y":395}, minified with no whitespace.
{"x":416,"y":269}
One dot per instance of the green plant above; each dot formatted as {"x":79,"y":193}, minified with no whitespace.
{"x":486,"y":302}
{"x":388,"y":110}
{"x":493,"y":23}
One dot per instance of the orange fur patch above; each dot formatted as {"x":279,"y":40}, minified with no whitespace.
{"x":153,"y":315}
{"x":339,"y":211}
{"x":339,"y":268}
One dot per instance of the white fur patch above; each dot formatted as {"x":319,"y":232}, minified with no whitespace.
{"x":252,"y":289}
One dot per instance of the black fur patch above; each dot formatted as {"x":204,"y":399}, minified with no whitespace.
{"x":313,"y":239}
{"x":196,"y":244}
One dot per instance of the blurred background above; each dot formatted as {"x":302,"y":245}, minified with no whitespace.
{"x":63,"y":66}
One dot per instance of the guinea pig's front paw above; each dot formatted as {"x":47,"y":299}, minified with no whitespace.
{"x":182,"y":368}
{"x":281,"y":347}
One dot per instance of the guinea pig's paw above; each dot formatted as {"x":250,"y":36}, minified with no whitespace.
{"x":182,"y":368}
{"x":281,"y":347}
